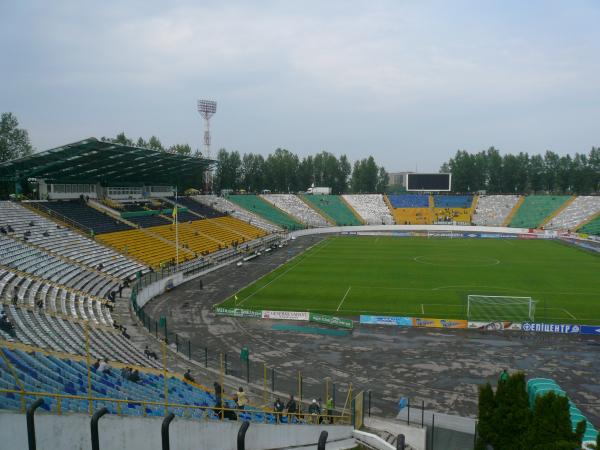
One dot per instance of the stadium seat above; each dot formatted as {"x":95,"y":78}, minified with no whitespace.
{"x":333,"y":207}
{"x":257,"y":205}
{"x":80,"y":213}
{"x":536,"y":208}
{"x":298,"y":209}
{"x":493,"y":210}
{"x":225,"y":206}
{"x":577,"y":212}
{"x":371,"y":207}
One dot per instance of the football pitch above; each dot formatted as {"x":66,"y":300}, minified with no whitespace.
{"x":418,"y":277}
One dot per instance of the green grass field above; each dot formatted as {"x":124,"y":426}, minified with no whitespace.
{"x":349,"y":276}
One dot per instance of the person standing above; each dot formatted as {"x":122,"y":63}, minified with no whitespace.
{"x":503,"y":376}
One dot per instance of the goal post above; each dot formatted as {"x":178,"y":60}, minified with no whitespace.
{"x":500,"y":307}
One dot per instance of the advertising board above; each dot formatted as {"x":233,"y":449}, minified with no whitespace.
{"x":439,"y":323}
{"x":495,"y":326}
{"x":238,"y":312}
{"x":331,"y":320}
{"x":386,"y":320}
{"x":590,"y":329}
{"x":286,"y":315}
{"x":551,"y":328}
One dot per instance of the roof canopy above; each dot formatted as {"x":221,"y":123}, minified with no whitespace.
{"x":94,"y":161}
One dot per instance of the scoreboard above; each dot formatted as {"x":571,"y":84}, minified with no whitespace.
{"x":428,"y":182}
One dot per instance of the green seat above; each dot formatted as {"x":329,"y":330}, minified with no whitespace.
{"x":258,"y":206}
{"x":333,"y":207}
{"x":592,"y":227}
{"x":535,"y":209}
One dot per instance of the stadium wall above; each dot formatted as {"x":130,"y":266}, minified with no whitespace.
{"x":139,"y":433}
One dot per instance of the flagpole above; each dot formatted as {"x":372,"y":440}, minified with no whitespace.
{"x":176,"y":234}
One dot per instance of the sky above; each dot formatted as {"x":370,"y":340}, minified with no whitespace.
{"x":407,"y":81}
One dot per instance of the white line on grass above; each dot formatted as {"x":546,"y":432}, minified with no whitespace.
{"x":344,"y":298}
{"x":306,"y":256}
{"x":567,"y":311}
{"x":422,"y":308}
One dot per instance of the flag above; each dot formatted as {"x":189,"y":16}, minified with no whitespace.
{"x":174,"y":214}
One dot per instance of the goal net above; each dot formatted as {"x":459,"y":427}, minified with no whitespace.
{"x":499,"y":307}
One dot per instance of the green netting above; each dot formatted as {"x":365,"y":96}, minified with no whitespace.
{"x":535,"y":209}
{"x":264,"y":209}
{"x":333,"y":207}
{"x":592,"y":227}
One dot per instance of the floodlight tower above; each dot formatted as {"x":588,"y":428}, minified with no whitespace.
{"x":207,"y":108}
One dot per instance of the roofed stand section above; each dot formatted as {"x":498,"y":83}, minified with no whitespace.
{"x":334,"y":207}
{"x":91,"y":219}
{"x":201,"y":209}
{"x":264,"y":209}
{"x":535,"y":209}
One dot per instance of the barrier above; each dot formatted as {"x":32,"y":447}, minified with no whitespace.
{"x":439,"y":323}
{"x":286,"y":315}
{"x":386,"y":320}
{"x":494,"y":326}
{"x":551,"y":328}
{"x":238,"y":312}
{"x":331,"y":320}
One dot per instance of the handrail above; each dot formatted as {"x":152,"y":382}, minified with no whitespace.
{"x":94,"y":427}
{"x":164,"y":431}
{"x":332,"y":419}
{"x":31,"y":422}
{"x":241,"y":436}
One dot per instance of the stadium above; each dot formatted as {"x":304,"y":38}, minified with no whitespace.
{"x":387,"y":310}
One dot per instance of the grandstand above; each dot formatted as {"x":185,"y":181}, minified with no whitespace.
{"x":582,"y":209}
{"x":266,"y":210}
{"x":411,"y":209}
{"x":535,"y":209}
{"x":295,"y":207}
{"x":334,"y":208}
{"x":493,"y":210}
{"x":225,"y":206}
{"x":453,"y":209}
{"x":80,"y":213}
{"x":592,"y":227}
{"x":371,"y":207}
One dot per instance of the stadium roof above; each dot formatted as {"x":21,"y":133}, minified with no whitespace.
{"x":95,"y":161}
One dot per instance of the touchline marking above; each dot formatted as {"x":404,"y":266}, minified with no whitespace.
{"x":306,"y":256}
{"x":422,"y":309}
{"x":344,"y":298}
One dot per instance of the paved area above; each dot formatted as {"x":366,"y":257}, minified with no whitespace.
{"x":440,"y":369}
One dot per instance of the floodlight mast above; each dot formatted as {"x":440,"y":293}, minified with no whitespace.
{"x":207,"y":108}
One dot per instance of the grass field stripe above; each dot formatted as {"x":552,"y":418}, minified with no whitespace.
{"x":344,"y":298}
{"x":306,"y":256}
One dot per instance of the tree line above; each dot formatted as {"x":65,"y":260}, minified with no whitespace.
{"x":524,"y":173}
{"x":506,"y":421}
{"x":284,"y":171}
{"x":153,"y":143}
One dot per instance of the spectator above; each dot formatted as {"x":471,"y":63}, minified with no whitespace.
{"x":218,"y":398}
{"x":124,"y":333}
{"x":2,"y":314}
{"x":329,"y":406}
{"x":40,"y":304}
{"x":120,"y":290}
{"x":278,"y":408}
{"x":291,"y":406}
{"x":315,"y":411}
{"x":150,"y":354}
{"x":104,"y":367}
{"x":125,"y":372}
{"x":134,"y":376}
{"x":188,"y":376}
{"x":242,"y":400}
{"x":15,"y":299}
{"x":96,"y":365}
{"x":504,"y":376}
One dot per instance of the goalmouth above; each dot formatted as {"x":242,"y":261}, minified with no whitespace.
{"x":500,"y":307}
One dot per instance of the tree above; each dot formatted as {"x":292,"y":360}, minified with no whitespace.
{"x":281,"y":171}
{"x":229,"y":170}
{"x":181,"y":149}
{"x":14,"y":141}
{"x":551,"y":424}
{"x":253,"y":172}
{"x":122,"y":139}
{"x":155,"y":144}
{"x":383,"y":179}
{"x":512,"y":415}
{"x":486,"y":431}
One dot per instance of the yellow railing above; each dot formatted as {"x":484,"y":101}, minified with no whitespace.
{"x":220,"y":412}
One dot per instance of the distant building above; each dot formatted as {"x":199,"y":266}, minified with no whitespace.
{"x":398,"y":178}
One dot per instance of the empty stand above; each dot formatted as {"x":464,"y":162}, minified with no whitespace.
{"x":371,"y":207}
{"x":493,"y":210}
{"x":296,"y":208}
{"x":582,"y":209}
{"x":411,"y":209}
{"x":409,"y":201}
{"x":333,"y":207}
{"x":592,"y":227}
{"x":536,"y":208}
{"x":45,"y":235}
{"x":201,"y":209}
{"x":225,"y":206}
{"x":80,"y":213}
{"x":453,"y":209}
{"x":264,"y":209}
